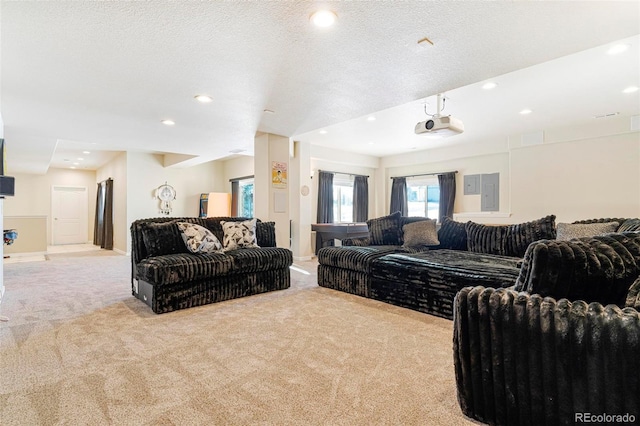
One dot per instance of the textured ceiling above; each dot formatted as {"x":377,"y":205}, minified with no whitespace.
{"x":102,"y":75}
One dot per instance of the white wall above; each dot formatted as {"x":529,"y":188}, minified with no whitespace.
{"x":33,"y":194}
{"x":236,"y":168}
{"x":138,"y":175}
{"x":575,"y":173}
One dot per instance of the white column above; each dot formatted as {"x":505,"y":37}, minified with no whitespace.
{"x":300,"y":193}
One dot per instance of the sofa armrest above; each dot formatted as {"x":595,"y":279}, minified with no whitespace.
{"x":525,"y":359}
{"x":361,"y":241}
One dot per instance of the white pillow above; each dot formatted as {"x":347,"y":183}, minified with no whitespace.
{"x":567,"y":231}
{"x":239,"y":234}
{"x":199,"y":239}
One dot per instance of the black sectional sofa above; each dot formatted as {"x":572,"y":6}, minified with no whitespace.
{"x":167,"y":277}
{"x":426,"y":278}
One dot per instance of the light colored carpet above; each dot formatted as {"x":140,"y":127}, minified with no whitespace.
{"x":79,"y":349}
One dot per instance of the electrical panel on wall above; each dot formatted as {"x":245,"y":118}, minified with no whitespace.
{"x":490,"y":196}
{"x":472,"y":184}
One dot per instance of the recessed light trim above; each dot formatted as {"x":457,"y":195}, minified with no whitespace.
{"x":204,"y":99}
{"x":268,"y":111}
{"x":72,"y":167}
{"x":526,"y":111}
{"x":80,"y":159}
{"x":371,"y":118}
{"x":168,"y":122}
{"x":86,"y":152}
{"x":617,"y":49}
{"x":630,"y":89}
{"x":489,"y":85}
{"x":323,"y":18}
{"x":323,"y":132}
{"x":76,"y":164}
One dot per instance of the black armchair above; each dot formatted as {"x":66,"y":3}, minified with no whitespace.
{"x":554,"y":352}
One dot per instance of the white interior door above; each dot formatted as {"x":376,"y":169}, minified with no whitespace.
{"x":69,"y":211}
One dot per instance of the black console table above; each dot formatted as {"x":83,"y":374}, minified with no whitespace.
{"x":338,"y":231}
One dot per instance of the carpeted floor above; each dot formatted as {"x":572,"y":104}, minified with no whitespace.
{"x":78,"y":349}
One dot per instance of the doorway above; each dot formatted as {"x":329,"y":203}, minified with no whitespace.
{"x":69,"y":215}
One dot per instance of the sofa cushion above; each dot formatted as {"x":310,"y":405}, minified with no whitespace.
{"x":598,"y":269}
{"x":420,"y":234}
{"x":509,"y":240}
{"x":385,"y":230}
{"x":214,"y":224}
{"x":452,"y":235}
{"x":620,"y":220}
{"x":198,"y":239}
{"x":180,"y":268}
{"x":239,"y":234}
{"x":162,"y":238}
{"x":356,"y":258}
{"x":568,"y":231}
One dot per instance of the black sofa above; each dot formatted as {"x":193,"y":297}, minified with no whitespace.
{"x":167,"y":277}
{"x":427,"y":278}
{"x":564,"y":342}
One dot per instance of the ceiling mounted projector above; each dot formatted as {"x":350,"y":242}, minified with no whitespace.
{"x":441,"y":126}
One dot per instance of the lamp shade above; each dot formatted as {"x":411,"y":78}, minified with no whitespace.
{"x":219,"y":204}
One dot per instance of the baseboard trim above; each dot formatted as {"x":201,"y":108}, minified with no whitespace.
{"x":122,"y":252}
{"x":302,"y":258}
{"x":30,"y":253}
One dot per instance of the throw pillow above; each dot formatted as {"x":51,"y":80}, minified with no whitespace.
{"x":162,"y":238}
{"x":452,"y":235}
{"x":519,"y":236}
{"x":568,"y":231}
{"x":487,"y":239}
{"x":422,"y":233}
{"x":266,"y":234}
{"x":199,"y":239}
{"x":239,"y":234}
{"x":385,"y":230}
{"x":630,"y":225}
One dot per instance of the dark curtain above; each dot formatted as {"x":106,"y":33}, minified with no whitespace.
{"x":399,"y":196}
{"x":360,"y":199}
{"x":325,"y":197}
{"x":103,"y":225}
{"x":235,"y":193}
{"x":447,"y":183}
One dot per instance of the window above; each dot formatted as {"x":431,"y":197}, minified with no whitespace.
{"x":242,"y":197}
{"x":423,"y":195}
{"x":342,"y":199}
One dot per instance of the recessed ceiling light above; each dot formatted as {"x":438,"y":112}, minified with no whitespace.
{"x":76,"y":164}
{"x":80,"y":159}
{"x":323,"y":132}
{"x":168,"y":122}
{"x":205,"y":99}
{"x":268,"y":111}
{"x":371,"y":118}
{"x":489,"y":85}
{"x":323,"y":18}
{"x":526,"y":111}
{"x":617,"y":48}
{"x":630,"y":89}
{"x":372,"y":143}
{"x":86,"y":152}
{"x":72,"y":167}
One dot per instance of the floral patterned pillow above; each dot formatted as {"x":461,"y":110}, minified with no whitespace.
{"x":239,"y":234}
{"x":199,"y":239}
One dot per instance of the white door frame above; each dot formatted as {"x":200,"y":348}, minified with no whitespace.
{"x":85,"y":212}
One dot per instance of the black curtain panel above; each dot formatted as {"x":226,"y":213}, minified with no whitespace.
{"x":399,"y":201}
{"x":235,"y":193}
{"x":447,"y":183}
{"x":325,"y":197}
{"x":103,"y":225}
{"x":360,"y":199}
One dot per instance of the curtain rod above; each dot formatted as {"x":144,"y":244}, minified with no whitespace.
{"x":342,"y":173}
{"x":241,"y":178}
{"x":423,"y":174}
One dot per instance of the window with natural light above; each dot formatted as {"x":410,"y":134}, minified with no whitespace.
{"x":245,"y":198}
{"x":342,"y":199}
{"x":423,"y":195}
